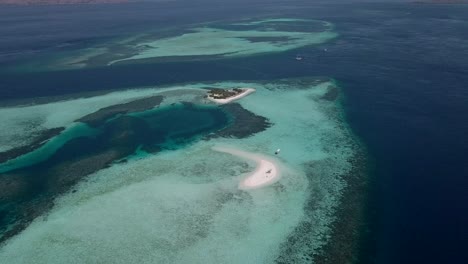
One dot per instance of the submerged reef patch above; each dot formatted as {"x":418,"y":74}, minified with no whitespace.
{"x":38,"y":140}
{"x":243,"y":124}
{"x":29,"y":187}
{"x":332,"y":93}
{"x":339,"y":241}
{"x":195,"y":42}
{"x":99,"y":117}
{"x":348,"y":229}
{"x":185,"y":205}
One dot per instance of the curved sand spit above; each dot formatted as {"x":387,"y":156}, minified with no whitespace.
{"x":266,"y":172}
{"x":245,"y":92}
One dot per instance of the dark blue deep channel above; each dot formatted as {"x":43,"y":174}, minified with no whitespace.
{"x":403,"y":67}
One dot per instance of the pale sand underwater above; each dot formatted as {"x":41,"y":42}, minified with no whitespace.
{"x":196,"y":42}
{"x":185,"y":205}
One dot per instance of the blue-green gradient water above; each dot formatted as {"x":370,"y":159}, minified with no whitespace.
{"x":169,"y":127}
{"x":402,"y":67}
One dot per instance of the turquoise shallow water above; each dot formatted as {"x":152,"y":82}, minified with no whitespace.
{"x":47,"y":150}
{"x":202,"y":41}
{"x":404,"y":84}
{"x":147,"y":186}
{"x":183,"y":204}
{"x":168,"y":127}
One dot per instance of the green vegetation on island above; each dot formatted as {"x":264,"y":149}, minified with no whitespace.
{"x":218,"y":93}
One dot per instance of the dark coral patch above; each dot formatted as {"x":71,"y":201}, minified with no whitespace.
{"x":331,"y":94}
{"x":244,"y":123}
{"x":349,"y":235}
{"x":40,"y":139}
{"x":28,"y":192}
{"x":99,"y":117}
{"x":268,"y":39}
{"x":342,"y":245}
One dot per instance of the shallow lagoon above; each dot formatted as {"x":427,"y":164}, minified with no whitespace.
{"x":182,"y":203}
{"x":206,"y":41}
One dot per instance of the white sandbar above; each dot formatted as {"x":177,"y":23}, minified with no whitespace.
{"x":245,"y":92}
{"x":266,"y":172}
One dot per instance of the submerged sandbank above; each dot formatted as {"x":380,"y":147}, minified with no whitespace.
{"x":184,"y":205}
{"x":266,"y":172}
{"x":198,"y":42}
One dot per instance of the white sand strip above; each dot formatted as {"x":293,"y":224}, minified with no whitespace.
{"x":266,"y":172}
{"x":245,"y":92}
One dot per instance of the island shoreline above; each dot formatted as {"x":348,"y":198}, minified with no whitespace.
{"x":227,"y":99}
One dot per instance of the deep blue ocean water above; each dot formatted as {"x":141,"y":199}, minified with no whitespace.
{"x":403,"y":67}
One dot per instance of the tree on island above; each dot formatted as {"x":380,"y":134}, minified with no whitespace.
{"x":218,"y":93}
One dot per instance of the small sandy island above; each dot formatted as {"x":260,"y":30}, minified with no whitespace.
{"x":223,"y":96}
{"x":266,"y":172}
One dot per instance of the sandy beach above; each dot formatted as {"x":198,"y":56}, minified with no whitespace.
{"x":266,"y":172}
{"x":245,"y":92}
